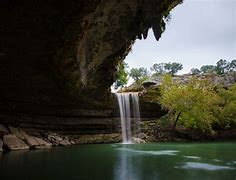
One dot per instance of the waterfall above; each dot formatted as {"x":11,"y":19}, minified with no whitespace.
{"x":126,"y":101}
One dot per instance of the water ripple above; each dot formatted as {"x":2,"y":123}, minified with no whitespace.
{"x":204,"y":166}
{"x":164,"y":152}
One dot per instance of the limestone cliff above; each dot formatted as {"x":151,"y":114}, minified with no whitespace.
{"x":60,"y":56}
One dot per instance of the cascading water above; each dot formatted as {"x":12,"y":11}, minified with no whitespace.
{"x":136,"y":113}
{"x":125,"y":101}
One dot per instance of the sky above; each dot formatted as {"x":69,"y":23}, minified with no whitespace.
{"x":200,"y":32}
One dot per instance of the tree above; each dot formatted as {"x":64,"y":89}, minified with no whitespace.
{"x":227,"y":111}
{"x":195,"y":71}
{"x":122,"y":75}
{"x":158,"y":68}
{"x":194,"y":103}
{"x":173,"y":68}
{"x":207,"y":69}
{"x":222,"y":66}
{"x":232,"y":66}
{"x":139,"y":74}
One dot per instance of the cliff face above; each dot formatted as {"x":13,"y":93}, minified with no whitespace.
{"x":60,"y":56}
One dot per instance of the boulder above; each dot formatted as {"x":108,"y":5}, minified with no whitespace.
{"x":54,"y":138}
{"x":14,"y":143}
{"x":30,"y":140}
{"x":137,"y":140}
{"x":65,"y":142}
{"x":16,"y":132}
{"x":142,"y":136}
{"x":1,"y":144}
{"x":42,"y":143}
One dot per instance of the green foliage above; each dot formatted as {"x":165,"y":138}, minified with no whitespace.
{"x":139,"y":74}
{"x":207,"y":69}
{"x":196,"y":101}
{"x":195,"y":71}
{"x":222,"y":66}
{"x":232,"y":66}
{"x":227,"y":111}
{"x":173,"y":68}
{"x":166,"y":68}
{"x":158,"y":68}
{"x":122,"y":75}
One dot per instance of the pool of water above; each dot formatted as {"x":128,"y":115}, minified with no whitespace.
{"x":177,"y":161}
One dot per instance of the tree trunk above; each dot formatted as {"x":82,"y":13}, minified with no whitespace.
{"x":174,"y":126}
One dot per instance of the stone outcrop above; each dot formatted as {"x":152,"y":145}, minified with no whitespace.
{"x":14,"y":143}
{"x":35,"y":142}
{"x":16,"y":132}
{"x":58,"y":59}
{"x":99,"y":138}
{"x":225,"y":80}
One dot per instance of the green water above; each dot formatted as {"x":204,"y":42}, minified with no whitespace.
{"x":177,"y":161}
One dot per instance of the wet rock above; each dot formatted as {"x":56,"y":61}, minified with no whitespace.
{"x":65,"y":142}
{"x":142,"y":136}
{"x":138,"y":140}
{"x":54,"y":138}
{"x":72,"y":142}
{"x":30,"y":140}
{"x":42,"y":143}
{"x":1,"y":144}
{"x":85,"y":139}
{"x":112,"y":138}
{"x":14,"y":143}
{"x":16,"y":132}
{"x":99,"y":138}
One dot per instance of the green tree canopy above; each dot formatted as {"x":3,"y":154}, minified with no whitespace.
{"x":158,"y":68}
{"x":195,"y":71}
{"x":139,"y":74}
{"x":193,"y":103}
{"x":166,"y":68}
{"x":222,"y":66}
{"x":232,"y":66}
{"x":173,"y":67}
{"x":207,"y":69}
{"x":122,"y":75}
{"x":227,"y":111}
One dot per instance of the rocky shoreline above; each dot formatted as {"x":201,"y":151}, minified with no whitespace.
{"x":13,"y":138}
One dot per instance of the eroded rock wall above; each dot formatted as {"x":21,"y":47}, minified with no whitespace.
{"x":61,"y":56}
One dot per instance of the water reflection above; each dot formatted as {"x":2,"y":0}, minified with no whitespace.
{"x":125,"y":169}
{"x":140,"y":163}
{"x":133,"y":164}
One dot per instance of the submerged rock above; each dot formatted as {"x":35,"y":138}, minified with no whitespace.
{"x":14,"y":143}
